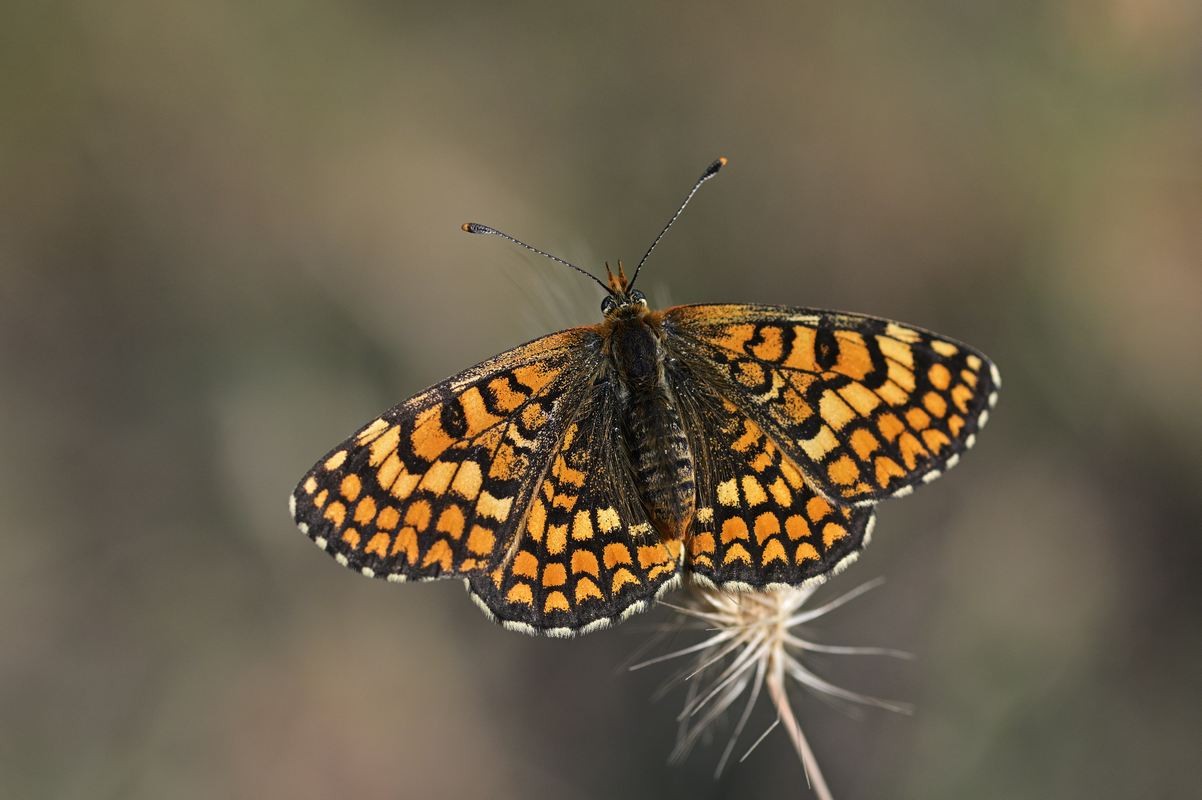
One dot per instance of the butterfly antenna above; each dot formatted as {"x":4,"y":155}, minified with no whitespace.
{"x":484,"y":230}
{"x":710,"y":172}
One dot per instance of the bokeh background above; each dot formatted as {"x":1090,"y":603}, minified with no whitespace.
{"x":229,"y":234}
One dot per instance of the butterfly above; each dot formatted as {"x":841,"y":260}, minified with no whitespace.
{"x":573,"y":479}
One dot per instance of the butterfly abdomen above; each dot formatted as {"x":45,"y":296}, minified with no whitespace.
{"x":652,"y":430}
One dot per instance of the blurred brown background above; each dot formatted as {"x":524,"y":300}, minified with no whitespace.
{"x":229,"y":235}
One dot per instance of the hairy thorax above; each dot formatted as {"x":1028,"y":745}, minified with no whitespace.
{"x":652,"y":429}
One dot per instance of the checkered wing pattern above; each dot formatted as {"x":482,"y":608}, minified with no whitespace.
{"x":587,"y":555}
{"x":865,"y":408}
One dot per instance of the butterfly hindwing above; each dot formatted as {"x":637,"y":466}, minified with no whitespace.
{"x":867,"y":408}
{"x":435,"y":486}
{"x":587,"y":555}
{"x":758,"y":522}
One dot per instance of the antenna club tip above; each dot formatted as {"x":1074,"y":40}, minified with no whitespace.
{"x":723,"y":161}
{"x":466,"y":227}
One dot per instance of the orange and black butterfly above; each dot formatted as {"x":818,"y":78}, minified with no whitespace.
{"x":574,"y":478}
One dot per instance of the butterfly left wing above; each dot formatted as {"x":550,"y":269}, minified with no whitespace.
{"x":867,"y":408}
{"x":587,"y":556}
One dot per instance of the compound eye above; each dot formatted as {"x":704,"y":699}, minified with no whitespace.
{"x":638,"y":297}
{"x":608,"y":304}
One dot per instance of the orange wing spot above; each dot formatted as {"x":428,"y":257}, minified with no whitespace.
{"x":369,"y":433}
{"x":797,"y":409}
{"x":831,"y":533}
{"x":521,"y":594}
{"x":555,"y":602}
{"x":468,"y":480}
{"x":753,"y":491}
{"x":477,"y":417}
{"x":911,"y":450}
{"x":622,"y":577}
{"x":960,"y":396}
{"x":701,"y":543}
{"x":802,"y":355}
{"x":893,"y":394}
{"x":384,"y":446}
{"x":918,"y":418}
{"x":969,"y":377}
{"x":902,"y":333}
{"x":651,"y":554}
{"x":616,"y":553}
{"x":935,"y":404}
{"x":762,"y":461}
{"x":365,"y":512}
{"x":497,"y":508}
{"x":536,"y":519}
{"x":533,"y":417}
{"x":791,"y":473}
{"x":321,"y":498}
{"x":555,"y":575}
{"x":525,"y":564}
{"x":770,"y":349}
{"x":736,"y":552}
{"x":404,"y":485}
{"x":388,"y":519}
{"x":481,"y":541}
{"x":440,"y":554}
{"x":751,"y":435}
{"x":974,"y":362}
{"x":944,"y":348}
{"x":864,"y":443}
{"x":565,"y":501}
{"x":890,"y":426}
{"x":503,"y":397}
{"x":901,"y":376}
{"x":780,"y":493}
{"x":843,"y":471}
{"x":796,"y":527}
{"x":378,"y":544}
{"x":451,"y":521}
{"x":406,"y":542}
{"x":734,"y":528}
{"x":886,"y":470}
{"x":660,"y":569}
{"x":336,"y":512}
{"x":469,"y":564}
{"x":736,"y":337}
{"x":805,"y":551}
{"x":582,"y":526}
{"x":939,"y":376}
{"x":774,"y":551}
{"x":750,"y":374}
{"x":428,"y":439}
{"x":505,"y":462}
{"x":418,"y":515}
{"x":350,"y":487}
{"x":955,"y":424}
{"x":834,"y":411}
{"x":854,"y":360}
{"x":766,"y":525}
{"x":728,"y":493}
{"x":607,"y":520}
{"x":822,"y":443}
{"x":703,"y":561}
{"x":310,"y":485}
{"x":351,"y":537}
{"x":388,"y":471}
{"x":817,"y":508}
{"x":566,"y":474}
{"x":587,"y":590}
{"x":557,"y":538}
{"x":896,"y":351}
{"x":860,"y":397}
{"x":935,"y":440}
{"x":584,"y":561}
{"x":438,"y":477}
{"x":335,"y":461}
{"x":534,"y":377}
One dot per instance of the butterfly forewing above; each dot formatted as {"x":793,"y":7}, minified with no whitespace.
{"x":866,"y":408}
{"x":436,"y":486}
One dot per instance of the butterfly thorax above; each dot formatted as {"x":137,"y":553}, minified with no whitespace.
{"x":651,"y":427}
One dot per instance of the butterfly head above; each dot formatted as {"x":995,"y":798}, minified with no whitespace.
{"x":622,"y":300}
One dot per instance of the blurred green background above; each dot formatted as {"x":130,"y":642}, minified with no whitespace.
{"x":229,"y":234}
